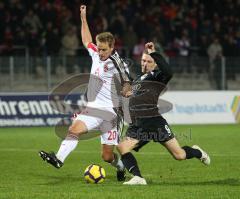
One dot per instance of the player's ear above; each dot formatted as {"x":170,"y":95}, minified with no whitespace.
{"x":112,"y":46}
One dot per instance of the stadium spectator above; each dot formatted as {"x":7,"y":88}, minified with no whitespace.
{"x":70,"y":43}
{"x":118,"y":23}
{"x":101,"y":23}
{"x":20,"y":38}
{"x":158,"y":34}
{"x":203,"y":45}
{"x":138,"y":49}
{"x":182,"y":46}
{"x":47,"y":13}
{"x":66,"y":19}
{"x":118,"y":43}
{"x":32,"y":22}
{"x":6,"y":47}
{"x":130,"y":38}
{"x":52,"y":40}
{"x":215,"y":52}
{"x":168,"y":19}
{"x":238,"y":42}
{"x":230,"y":51}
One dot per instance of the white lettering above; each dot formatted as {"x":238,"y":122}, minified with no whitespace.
{"x":35,"y":108}
{"x":46,"y":108}
{"x":12,"y":105}
{"x":24,"y":108}
{"x":4,"y":108}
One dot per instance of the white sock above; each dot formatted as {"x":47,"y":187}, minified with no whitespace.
{"x":117,"y":162}
{"x":67,"y":146}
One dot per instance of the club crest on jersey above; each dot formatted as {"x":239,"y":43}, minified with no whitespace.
{"x":136,"y":87}
{"x":97,"y":72}
{"x":105,"y":68}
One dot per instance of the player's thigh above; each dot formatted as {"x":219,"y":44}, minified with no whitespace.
{"x":78,"y":127}
{"x":175,"y":149}
{"x":84,"y":123}
{"x":127,"y":145}
{"x":133,"y":140}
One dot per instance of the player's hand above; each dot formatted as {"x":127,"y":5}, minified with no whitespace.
{"x":126,"y":94}
{"x":83,"y":11}
{"x":150,"y":47}
{"x":126,"y":90}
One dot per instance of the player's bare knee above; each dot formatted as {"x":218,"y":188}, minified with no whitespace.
{"x":73,"y":130}
{"x":108,"y":157}
{"x":77,"y":129}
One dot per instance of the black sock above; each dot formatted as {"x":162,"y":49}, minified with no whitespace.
{"x":191,"y":152}
{"x":130,"y":163}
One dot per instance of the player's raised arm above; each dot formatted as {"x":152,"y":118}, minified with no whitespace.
{"x":164,"y":67}
{"x":85,"y":32}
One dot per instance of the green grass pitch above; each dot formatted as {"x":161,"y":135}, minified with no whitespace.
{"x":24,"y":175}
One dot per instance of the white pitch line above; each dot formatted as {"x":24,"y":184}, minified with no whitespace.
{"x":96,"y":152}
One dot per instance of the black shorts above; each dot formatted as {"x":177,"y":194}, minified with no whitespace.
{"x":145,"y":130}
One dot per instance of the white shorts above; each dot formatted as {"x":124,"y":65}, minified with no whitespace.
{"x":104,"y":120}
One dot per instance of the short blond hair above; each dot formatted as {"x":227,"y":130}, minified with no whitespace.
{"x":106,"y":37}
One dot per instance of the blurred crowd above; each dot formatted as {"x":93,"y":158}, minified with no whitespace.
{"x":180,"y":27}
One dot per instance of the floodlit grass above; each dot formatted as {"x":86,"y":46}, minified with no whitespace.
{"x":25,"y":175}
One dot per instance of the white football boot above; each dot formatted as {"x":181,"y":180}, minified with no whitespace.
{"x":136,"y":180}
{"x":205,"y":159}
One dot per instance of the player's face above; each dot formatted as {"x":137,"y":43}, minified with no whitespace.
{"x":104,"y":50}
{"x":147,"y":63}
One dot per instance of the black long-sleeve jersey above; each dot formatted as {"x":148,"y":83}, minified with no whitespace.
{"x":147,"y":89}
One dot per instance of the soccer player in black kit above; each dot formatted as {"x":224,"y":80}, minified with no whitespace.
{"x":147,"y":123}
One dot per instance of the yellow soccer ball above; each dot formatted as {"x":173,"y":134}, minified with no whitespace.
{"x":94,"y":174}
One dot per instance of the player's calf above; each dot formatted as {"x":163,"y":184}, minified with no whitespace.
{"x":109,"y":156}
{"x":179,"y":155}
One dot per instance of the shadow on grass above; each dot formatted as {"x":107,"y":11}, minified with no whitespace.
{"x":111,"y":180}
{"x":228,"y":182}
{"x":58,"y":180}
{"x":71,"y":179}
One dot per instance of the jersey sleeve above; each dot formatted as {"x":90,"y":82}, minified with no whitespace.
{"x":92,"y":49}
{"x":126,"y":67}
{"x":164,"y":72}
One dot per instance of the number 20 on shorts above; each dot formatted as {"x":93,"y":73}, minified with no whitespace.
{"x":112,"y":135}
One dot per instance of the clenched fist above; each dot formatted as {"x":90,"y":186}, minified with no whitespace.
{"x":83,"y":9}
{"x":150,"y":47}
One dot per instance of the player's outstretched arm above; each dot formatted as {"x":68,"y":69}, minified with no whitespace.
{"x":85,"y":32}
